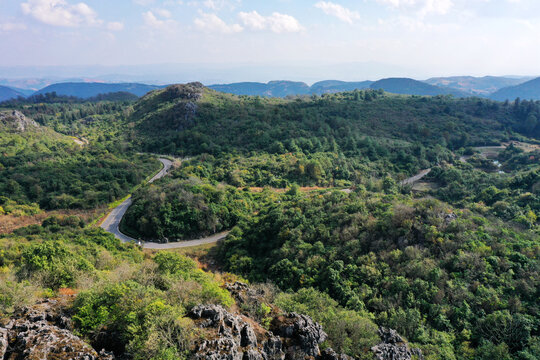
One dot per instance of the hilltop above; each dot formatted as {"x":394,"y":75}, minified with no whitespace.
{"x":414,"y":87}
{"x":193,"y":118}
{"x":529,"y":90}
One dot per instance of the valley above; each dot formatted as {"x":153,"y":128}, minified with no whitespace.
{"x":359,"y":222}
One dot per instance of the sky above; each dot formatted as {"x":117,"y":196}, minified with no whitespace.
{"x":354,"y":40}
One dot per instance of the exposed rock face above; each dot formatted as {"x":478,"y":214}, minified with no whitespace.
{"x":43,"y":332}
{"x":329,"y":354}
{"x":449,"y":218}
{"x":3,"y":342}
{"x":291,"y":337}
{"x":192,"y":92}
{"x":17,"y":120}
{"x":393,"y":347}
{"x":301,"y":334}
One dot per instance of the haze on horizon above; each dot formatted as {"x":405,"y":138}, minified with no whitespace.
{"x":243,"y":40}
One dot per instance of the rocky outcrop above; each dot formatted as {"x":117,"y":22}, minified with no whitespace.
{"x":191,"y":91}
{"x":235,"y":337}
{"x":393,"y":347}
{"x":300,"y":333}
{"x":44,"y":332}
{"x":329,"y":354}
{"x":16,"y":120}
{"x":3,"y":342}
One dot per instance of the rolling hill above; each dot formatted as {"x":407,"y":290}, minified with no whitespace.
{"x":408,"y":86}
{"x":483,"y":86}
{"x":88,"y":90}
{"x":529,"y":90}
{"x":271,"y":89}
{"x":7,"y":93}
{"x":284,"y":88}
{"x":334,"y":86}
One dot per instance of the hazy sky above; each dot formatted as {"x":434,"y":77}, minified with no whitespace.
{"x":424,"y":37}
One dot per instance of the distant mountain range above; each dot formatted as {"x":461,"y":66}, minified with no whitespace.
{"x":414,"y":87}
{"x":88,"y":90}
{"x":7,"y":93}
{"x":481,"y":86}
{"x":271,"y":89}
{"x":497,"y":88}
{"x":284,"y":88}
{"x":529,"y":90}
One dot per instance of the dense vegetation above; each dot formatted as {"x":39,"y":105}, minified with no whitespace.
{"x":127,"y":303}
{"x":194,"y":120}
{"x":40,"y":167}
{"x":311,"y":189}
{"x":447,"y":279}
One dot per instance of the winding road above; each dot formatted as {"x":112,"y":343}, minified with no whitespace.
{"x":111,"y":223}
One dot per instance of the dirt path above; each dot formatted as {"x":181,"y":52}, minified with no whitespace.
{"x":415,"y":178}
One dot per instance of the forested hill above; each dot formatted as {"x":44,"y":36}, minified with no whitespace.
{"x":311,"y":192}
{"x":528,"y":90}
{"x":271,"y":89}
{"x":482,"y":86}
{"x":7,"y":93}
{"x":413,"y":87}
{"x":285,"y":88}
{"x":191,"y":119}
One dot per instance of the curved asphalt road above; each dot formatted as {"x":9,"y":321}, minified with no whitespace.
{"x":112,"y":222}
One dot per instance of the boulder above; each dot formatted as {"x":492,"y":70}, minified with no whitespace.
{"x":232,"y":337}
{"x":40,"y":332}
{"x":304,"y":332}
{"x":393,"y":347}
{"x":330,"y":354}
{"x":3,"y":342}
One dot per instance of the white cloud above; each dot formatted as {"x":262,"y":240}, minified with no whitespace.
{"x":212,"y":23}
{"x":163,"y":13}
{"x":143,"y":2}
{"x":278,"y":23}
{"x":12,"y":26}
{"x":422,"y":7}
{"x":338,"y":11}
{"x":158,"y":22}
{"x":115,"y":26}
{"x":214,"y":4}
{"x":61,"y":13}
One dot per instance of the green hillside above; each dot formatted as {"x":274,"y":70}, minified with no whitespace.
{"x":322,"y":214}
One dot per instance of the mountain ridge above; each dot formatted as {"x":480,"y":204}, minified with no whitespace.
{"x":529,"y":90}
{"x":7,"y":93}
{"x":88,"y":90}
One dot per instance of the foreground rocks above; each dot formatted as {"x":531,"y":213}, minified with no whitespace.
{"x":235,"y":337}
{"x":44,"y":332}
{"x":393,"y":347}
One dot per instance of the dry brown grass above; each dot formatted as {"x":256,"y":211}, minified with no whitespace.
{"x":282,"y":191}
{"x":8,"y":223}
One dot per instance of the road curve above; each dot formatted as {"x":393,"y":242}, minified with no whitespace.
{"x":111,"y":223}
